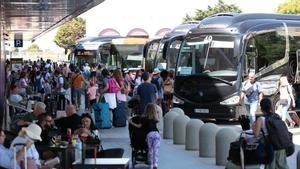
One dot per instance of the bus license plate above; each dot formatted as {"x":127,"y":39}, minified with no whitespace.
{"x":201,"y":110}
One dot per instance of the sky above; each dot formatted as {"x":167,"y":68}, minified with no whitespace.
{"x":151,"y":15}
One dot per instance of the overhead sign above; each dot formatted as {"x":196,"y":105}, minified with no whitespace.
{"x":16,"y":63}
{"x":18,"y":40}
{"x":85,"y":53}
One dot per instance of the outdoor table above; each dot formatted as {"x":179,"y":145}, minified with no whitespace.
{"x":102,"y":163}
{"x":67,"y":154}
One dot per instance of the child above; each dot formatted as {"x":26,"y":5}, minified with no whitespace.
{"x":153,"y":137}
{"x":92,"y":93}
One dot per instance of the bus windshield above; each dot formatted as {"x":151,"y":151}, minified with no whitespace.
{"x":160,"y":61}
{"x":127,"y":52}
{"x":211,"y":55}
{"x":172,"y":53}
{"x":132,"y":55}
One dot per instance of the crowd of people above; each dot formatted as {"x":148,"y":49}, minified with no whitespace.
{"x":55,"y":88}
{"x":252,"y":94}
{"x":52,"y":88}
{"x":253,"y":99}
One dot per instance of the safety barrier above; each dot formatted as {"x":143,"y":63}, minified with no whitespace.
{"x":179,"y":128}
{"x":207,"y":140}
{"x":223,"y":139}
{"x":192,"y":134}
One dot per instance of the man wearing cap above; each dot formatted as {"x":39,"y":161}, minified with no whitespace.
{"x":6,"y":155}
{"x":146,"y":91}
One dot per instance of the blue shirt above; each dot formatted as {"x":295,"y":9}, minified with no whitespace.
{"x":15,"y":98}
{"x":7,"y":158}
{"x":254,"y":97}
{"x":147,"y":93}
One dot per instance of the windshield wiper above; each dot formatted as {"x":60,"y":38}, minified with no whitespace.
{"x":222,"y":80}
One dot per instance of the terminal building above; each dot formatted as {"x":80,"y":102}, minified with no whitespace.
{"x":28,"y":20}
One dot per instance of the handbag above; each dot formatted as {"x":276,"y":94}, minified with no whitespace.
{"x":245,"y":122}
{"x":283,"y":101}
{"x":121,"y":96}
{"x":168,"y":89}
{"x":251,"y":151}
{"x":249,"y":91}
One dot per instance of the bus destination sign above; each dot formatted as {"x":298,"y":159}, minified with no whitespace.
{"x":85,"y":53}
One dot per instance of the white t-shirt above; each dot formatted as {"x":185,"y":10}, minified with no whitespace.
{"x":284,"y":91}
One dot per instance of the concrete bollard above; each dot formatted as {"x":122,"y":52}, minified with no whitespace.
{"x":168,"y":124}
{"x":207,"y":140}
{"x":179,"y":127}
{"x":192,"y":134}
{"x":298,"y":160}
{"x":177,"y":109}
{"x":160,"y":124}
{"x":223,"y":139}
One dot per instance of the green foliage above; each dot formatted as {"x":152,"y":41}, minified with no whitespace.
{"x":290,"y":7}
{"x":221,"y":7}
{"x":34,"y":48}
{"x":69,"y":33}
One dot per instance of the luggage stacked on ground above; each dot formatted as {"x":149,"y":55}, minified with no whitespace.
{"x":120,"y":117}
{"x":102,"y":115}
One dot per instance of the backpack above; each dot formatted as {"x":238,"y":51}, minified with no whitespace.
{"x":66,"y":84}
{"x":113,"y":87}
{"x":278,"y":134}
{"x":38,"y":83}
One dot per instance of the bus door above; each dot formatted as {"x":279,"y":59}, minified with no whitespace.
{"x":297,"y":77}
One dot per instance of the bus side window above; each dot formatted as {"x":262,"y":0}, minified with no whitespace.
{"x":270,"y":48}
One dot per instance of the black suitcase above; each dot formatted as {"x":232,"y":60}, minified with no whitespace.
{"x":119,"y":115}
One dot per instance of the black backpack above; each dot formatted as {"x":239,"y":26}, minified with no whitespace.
{"x":278,"y":134}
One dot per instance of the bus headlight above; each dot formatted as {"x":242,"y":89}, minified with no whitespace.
{"x":176,"y":100}
{"x":231,"y":101}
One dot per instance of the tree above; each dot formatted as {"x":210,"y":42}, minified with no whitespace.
{"x":290,"y":7}
{"x":33,"y":50}
{"x":69,"y":33}
{"x":221,"y":7}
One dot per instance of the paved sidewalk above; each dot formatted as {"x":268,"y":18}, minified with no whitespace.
{"x":174,"y":156}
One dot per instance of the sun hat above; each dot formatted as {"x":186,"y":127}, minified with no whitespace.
{"x":156,"y":71}
{"x":33,"y":131}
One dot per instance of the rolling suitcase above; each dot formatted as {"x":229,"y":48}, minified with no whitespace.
{"x":15,"y":155}
{"x":119,"y":117}
{"x":102,"y":115}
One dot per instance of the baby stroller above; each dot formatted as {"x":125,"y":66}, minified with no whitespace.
{"x":138,"y":143}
